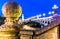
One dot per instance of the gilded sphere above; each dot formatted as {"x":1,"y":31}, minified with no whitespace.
{"x":11,"y":9}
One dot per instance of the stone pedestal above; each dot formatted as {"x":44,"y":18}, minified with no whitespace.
{"x":26,"y":34}
{"x":9,"y":34}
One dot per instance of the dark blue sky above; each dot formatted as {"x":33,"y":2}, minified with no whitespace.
{"x":34,"y":7}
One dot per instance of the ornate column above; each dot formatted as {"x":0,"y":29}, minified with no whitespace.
{"x":11,"y":11}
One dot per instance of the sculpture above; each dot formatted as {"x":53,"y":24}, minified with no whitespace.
{"x":12,"y":11}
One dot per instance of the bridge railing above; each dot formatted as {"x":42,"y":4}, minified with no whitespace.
{"x":49,"y":32}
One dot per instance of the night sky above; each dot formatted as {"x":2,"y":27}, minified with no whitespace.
{"x":34,"y":7}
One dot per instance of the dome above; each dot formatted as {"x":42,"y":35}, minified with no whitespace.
{"x":11,"y":9}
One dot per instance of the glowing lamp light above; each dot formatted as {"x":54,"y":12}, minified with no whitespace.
{"x":52,"y":12}
{"x":40,"y":15}
{"x":37,"y":16}
{"x":55,"y":7}
{"x":49,"y":13}
{"x":44,"y":14}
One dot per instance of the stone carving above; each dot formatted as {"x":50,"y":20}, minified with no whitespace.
{"x":12,"y":11}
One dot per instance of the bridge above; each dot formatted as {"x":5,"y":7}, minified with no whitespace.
{"x":51,"y":31}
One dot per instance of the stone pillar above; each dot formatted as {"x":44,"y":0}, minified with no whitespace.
{"x":12,"y":11}
{"x":25,"y":34}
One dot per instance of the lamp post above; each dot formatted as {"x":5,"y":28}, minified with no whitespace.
{"x":22,"y":17}
{"x":37,"y":17}
{"x":54,"y":8}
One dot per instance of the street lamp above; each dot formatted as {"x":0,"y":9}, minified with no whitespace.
{"x":44,"y":14}
{"x":49,"y":13}
{"x":54,"y":8}
{"x":39,"y":15}
{"x":52,"y":12}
